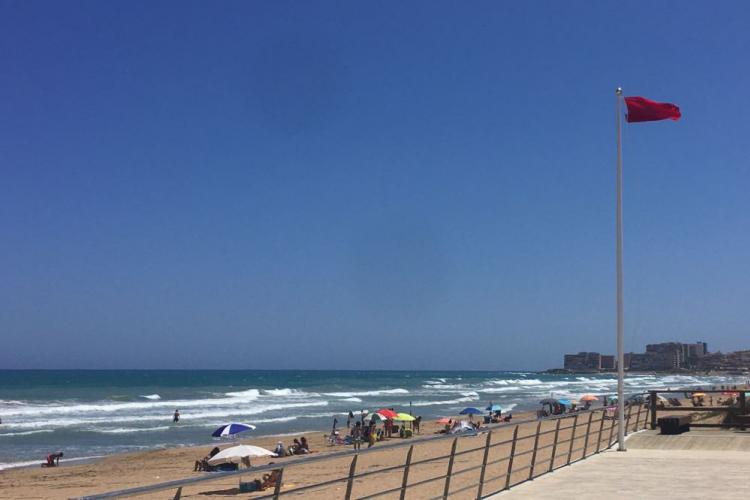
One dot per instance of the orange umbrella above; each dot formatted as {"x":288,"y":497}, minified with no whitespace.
{"x":588,"y":397}
{"x":699,"y":394}
{"x":444,"y":420}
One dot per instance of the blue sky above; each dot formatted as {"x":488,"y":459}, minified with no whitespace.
{"x":366,"y":185}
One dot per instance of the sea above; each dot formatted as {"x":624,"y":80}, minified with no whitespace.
{"x":89,"y":413}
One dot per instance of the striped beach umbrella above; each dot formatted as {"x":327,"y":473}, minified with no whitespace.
{"x":232,"y":429}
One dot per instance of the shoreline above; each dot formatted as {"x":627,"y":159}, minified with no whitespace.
{"x":138,"y":468}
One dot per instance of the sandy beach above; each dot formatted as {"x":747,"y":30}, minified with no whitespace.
{"x":136,"y":469}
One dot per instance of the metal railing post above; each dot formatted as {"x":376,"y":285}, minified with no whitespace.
{"x":743,"y":409}
{"x":554,"y":446}
{"x":484,"y":465}
{"x":450,"y":470}
{"x":588,"y":429}
{"x":652,"y":404}
{"x":350,"y":481}
{"x":510,"y":459}
{"x":405,"y":479}
{"x":277,"y":487}
{"x":627,"y":419}
{"x":599,"y":436}
{"x":638,"y":417}
{"x":611,"y":432}
{"x":536,"y":447}
{"x":572,"y":439}
{"x":178,"y":494}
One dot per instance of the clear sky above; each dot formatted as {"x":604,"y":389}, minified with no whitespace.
{"x":366,"y":184}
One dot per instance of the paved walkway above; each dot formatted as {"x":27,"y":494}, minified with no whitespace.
{"x":694,"y":465}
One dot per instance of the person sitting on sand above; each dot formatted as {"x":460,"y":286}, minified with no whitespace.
{"x":270,"y":479}
{"x":280,"y":451}
{"x":295,"y":447}
{"x":202,"y":464}
{"x":53,"y":459}
{"x":304,"y":446}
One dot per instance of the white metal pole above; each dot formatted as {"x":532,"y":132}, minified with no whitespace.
{"x":620,"y":353}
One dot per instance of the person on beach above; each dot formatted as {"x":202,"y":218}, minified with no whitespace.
{"x":362,"y":416}
{"x":371,"y":438}
{"x":176,"y":416}
{"x":349,"y":419}
{"x":280,"y":451}
{"x":417,"y":424}
{"x":53,"y":459}
{"x":304,"y":446}
{"x":357,"y":435}
{"x":335,"y":423}
{"x":294,"y":447}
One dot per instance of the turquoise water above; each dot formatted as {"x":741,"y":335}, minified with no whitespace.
{"x":94,"y":413}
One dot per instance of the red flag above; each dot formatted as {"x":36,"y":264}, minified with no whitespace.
{"x":641,"y":109}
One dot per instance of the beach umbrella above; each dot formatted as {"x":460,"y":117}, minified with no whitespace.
{"x":387,"y":413}
{"x":232,"y":429}
{"x":404,"y":417}
{"x":494,"y":408}
{"x":444,"y":420}
{"x":377,"y":416}
{"x":548,"y":401}
{"x":699,"y":394}
{"x":565,"y":402}
{"x":470,"y":411}
{"x":589,"y":397}
{"x":235,"y":454}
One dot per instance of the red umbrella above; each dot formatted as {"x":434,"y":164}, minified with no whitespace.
{"x":387,"y":413}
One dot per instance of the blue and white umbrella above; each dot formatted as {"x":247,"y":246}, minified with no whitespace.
{"x":470,"y":411}
{"x":232,"y":429}
{"x":494,"y":408}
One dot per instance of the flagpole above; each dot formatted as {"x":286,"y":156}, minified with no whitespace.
{"x":620,"y":353}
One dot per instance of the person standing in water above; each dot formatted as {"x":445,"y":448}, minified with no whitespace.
{"x":176,"y":417}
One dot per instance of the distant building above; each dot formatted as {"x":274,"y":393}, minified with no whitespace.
{"x":608,"y":362}
{"x":738,"y":360}
{"x":669,"y":355}
{"x":626,"y":360}
{"x":583,"y":361}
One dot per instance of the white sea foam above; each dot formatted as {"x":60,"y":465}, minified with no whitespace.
{"x":284,"y":392}
{"x":25,"y":433}
{"x":446,"y":387}
{"x":352,"y":400}
{"x":12,"y":465}
{"x":128,"y":430}
{"x":447,"y":402}
{"x":33,"y":410}
{"x":152,"y":397}
{"x":381,"y":392}
{"x":187,"y":416}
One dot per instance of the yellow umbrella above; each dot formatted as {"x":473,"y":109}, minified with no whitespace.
{"x":404,"y":417}
{"x":699,"y":394}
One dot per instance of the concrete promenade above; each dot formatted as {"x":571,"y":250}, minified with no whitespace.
{"x":699,"y":464}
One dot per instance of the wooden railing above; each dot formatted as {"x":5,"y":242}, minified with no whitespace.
{"x":553,"y":442}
